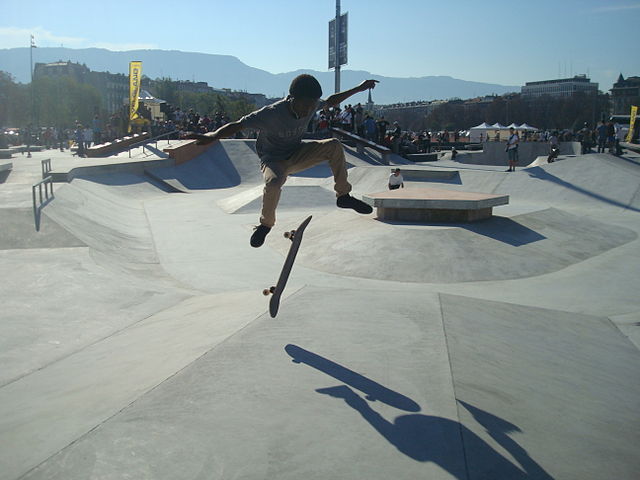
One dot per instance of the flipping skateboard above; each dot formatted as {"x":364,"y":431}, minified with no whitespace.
{"x":296,"y":238}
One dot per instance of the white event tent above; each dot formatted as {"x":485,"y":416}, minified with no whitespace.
{"x":479,"y":132}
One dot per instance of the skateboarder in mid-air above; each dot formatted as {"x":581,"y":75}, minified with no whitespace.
{"x":281,"y":126}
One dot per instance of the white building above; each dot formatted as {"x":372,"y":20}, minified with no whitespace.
{"x":562,"y":87}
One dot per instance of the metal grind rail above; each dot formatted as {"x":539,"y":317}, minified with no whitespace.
{"x":144,"y":143}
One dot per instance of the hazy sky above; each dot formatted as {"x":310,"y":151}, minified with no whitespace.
{"x":505,"y":42}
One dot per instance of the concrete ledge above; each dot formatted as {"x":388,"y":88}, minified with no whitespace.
{"x":423,"y":157}
{"x":634,"y":147}
{"x":6,"y":166}
{"x":6,"y":153}
{"x":434,"y":205}
{"x":186,"y":151}
{"x":416,"y":174}
{"x":106,"y":149}
{"x":133,"y":166}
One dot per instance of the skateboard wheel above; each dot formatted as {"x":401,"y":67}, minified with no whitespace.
{"x":290,"y":234}
{"x":268,"y":291}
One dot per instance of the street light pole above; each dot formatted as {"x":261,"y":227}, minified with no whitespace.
{"x":33,"y":104}
{"x":337,"y":47}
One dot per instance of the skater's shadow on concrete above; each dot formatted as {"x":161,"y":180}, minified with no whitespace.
{"x":373,"y":390}
{"x":427,"y":438}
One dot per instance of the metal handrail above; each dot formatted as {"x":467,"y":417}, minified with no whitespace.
{"x":46,"y":166}
{"x":48,"y":184}
{"x":143,"y":143}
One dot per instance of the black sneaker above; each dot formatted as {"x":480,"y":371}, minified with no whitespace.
{"x":347,"y":201}
{"x":259,"y":233}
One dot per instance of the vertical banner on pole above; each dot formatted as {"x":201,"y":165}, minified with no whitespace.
{"x":632,"y":122}
{"x":135,"y":76}
{"x":341,"y":56}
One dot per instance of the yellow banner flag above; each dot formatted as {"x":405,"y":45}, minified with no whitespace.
{"x":135,"y":77}
{"x":632,"y":122}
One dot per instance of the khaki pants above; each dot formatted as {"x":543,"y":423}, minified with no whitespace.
{"x":308,"y":155}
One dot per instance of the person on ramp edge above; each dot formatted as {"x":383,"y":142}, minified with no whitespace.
{"x":281,"y":126}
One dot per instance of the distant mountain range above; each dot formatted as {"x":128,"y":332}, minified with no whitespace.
{"x":225,"y":71}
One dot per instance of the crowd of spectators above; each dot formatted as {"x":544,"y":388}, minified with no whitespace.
{"x":352,"y":118}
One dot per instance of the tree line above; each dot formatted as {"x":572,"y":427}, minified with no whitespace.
{"x":62,"y":101}
{"x":552,"y":113}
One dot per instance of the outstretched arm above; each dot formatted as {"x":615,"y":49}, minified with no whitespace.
{"x":338,"y":98}
{"x":225,"y":131}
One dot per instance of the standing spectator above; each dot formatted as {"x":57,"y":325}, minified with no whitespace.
{"x":97,"y":130}
{"x":323,"y":123}
{"x":88,"y":137}
{"x":602,"y":136}
{"x":79,"y":138}
{"x":396,"y":137}
{"x":611,"y":136}
{"x":427,"y":142}
{"x":382,"y":130}
{"x":554,"y":148}
{"x":359,"y":120}
{"x":585,"y":140}
{"x":346,"y":119}
{"x":396,"y":180}
{"x":61,"y":138}
{"x":619,"y":137}
{"x":370,"y":128}
{"x":512,"y":149}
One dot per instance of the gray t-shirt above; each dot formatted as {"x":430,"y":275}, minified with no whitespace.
{"x":280,"y":133}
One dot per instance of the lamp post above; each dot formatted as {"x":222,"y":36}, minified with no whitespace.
{"x":337,"y":48}
{"x":33,"y":104}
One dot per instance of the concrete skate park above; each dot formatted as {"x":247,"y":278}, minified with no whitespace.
{"x":136,"y":342}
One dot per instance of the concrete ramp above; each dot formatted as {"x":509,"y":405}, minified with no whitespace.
{"x":539,"y":161}
{"x":293,"y":198}
{"x":495,"y":249}
{"x":109,"y":217}
{"x":224,"y":165}
{"x":419,"y":386}
{"x":135,"y":341}
{"x":594,"y":181}
{"x":507,"y":358}
{"x":493,"y":153}
{"x":588,"y":181}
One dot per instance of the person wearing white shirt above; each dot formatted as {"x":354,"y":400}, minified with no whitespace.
{"x":395,"y":180}
{"x":512,"y":149}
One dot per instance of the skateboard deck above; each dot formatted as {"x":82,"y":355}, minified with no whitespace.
{"x":296,"y":238}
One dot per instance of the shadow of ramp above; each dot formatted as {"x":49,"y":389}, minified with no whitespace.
{"x":18,"y":230}
{"x":540,"y":173}
{"x":502,"y":229}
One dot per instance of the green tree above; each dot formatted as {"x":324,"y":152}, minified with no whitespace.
{"x":61,"y":101}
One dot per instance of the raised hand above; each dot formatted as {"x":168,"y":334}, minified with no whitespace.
{"x":367,"y":84}
{"x":201,"y":138}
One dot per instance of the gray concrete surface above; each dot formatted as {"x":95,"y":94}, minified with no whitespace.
{"x":136,"y":343}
